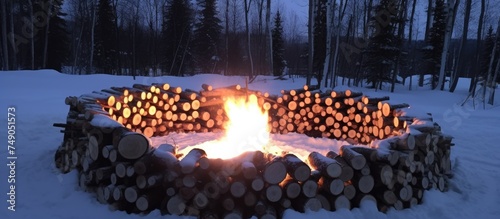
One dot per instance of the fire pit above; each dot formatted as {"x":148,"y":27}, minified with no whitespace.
{"x":386,"y":154}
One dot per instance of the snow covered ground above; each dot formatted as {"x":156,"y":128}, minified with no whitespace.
{"x":42,"y":192}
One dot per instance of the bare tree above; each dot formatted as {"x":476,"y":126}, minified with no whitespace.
{"x":342,"y":8}
{"x":268,"y":34}
{"x":310,"y":36}
{"x":473,"y":81}
{"x":330,"y":7}
{"x":450,"y":21}
{"x":461,"y":55}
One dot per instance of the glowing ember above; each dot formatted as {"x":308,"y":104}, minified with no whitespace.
{"x":246,"y":130}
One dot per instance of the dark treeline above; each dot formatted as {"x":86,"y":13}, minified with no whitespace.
{"x":375,"y":43}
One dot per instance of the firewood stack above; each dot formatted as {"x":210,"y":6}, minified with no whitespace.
{"x":391,"y":157}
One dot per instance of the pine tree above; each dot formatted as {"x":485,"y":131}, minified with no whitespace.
{"x":434,"y":49}
{"x":176,"y":35}
{"x":207,"y":35}
{"x":319,"y":39}
{"x":278,"y":44}
{"x":105,"y":45}
{"x":489,"y":43}
{"x":58,"y":46}
{"x":58,"y":37}
{"x":382,"y":49}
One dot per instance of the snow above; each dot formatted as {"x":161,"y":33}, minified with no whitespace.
{"x":42,"y":192}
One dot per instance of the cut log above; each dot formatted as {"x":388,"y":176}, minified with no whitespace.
{"x":291,"y":188}
{"x":332,"y":186}
{"x":309,"y":188}
{"x":275,"y":171}
{"x":364,"y":183}
{"x":130,"y":145}
{"x":131,"y":194}
{"x":304,"y":204}
{"x":238,"y":189}
{"x":273,"y":193}
{"x":148,"y":202}
{"x":155,"y":160}
{"x":296,"y":168}
{"x":353,"y":158}
{"x":176,"y":205}
{"x":190,"y":161}
{"x":327,"y":166}
{"x":341,"y":202}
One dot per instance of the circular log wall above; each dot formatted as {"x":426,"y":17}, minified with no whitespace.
{"x":391,"y":158}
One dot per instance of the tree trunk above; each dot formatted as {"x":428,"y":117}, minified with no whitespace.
{"x":426,"y":38}
{"x":428,"y":24}
{"x":450,"y":20}
{"x":473,"y":82}
{"x":4,"y":36}
{"x":32,"y":36}
{"x":491,"y":100}
{"x":117,"y":38}
{"x":249,"y":44}
{"x":401,"y":31}
{"x":337,"y":43}
{"x":46,"y":44}
{"x":92,"y":31}
{"x":330,"y":6}
{"x":12,"y":41}
{"x":410,"y":41}
{"x":461,"y":55}
{"x":268,"y":35}
{"x":310,"y":36}
{"x":491,"y":80}
{"x":227,"y":38}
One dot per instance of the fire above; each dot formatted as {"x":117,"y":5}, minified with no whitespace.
{"x":246,"y":130}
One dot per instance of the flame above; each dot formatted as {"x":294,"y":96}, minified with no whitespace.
{"x":247,"y":129}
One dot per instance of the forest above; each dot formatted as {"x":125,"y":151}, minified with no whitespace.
{"x":373,"y":43}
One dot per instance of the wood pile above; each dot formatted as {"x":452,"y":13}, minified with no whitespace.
{"x":392,"y":156}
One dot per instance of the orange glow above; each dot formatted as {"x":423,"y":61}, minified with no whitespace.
{"x":246,"y":130}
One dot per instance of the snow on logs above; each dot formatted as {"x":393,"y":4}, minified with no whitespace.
{"x":393,"y":154}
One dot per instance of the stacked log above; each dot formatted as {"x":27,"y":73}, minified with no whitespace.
{"x":106,"y":139}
